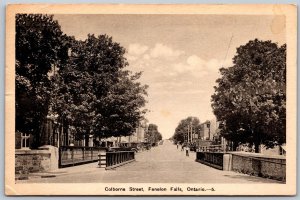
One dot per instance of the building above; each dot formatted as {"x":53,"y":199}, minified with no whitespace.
{"x":205,"y":131}
{"x":138,"y":136}
{"x":57,"y":135}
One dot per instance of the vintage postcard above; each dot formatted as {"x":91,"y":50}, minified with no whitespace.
{"x":185,"y":100}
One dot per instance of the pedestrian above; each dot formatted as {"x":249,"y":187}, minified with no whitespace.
{"x":187,"y":149}
{"x":177,"y":145}
{"x":109,"y":148}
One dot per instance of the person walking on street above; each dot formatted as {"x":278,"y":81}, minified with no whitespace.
{"x":187,"y":149}
{"x":177,"y":145}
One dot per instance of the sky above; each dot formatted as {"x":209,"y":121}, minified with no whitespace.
{"x":179,"y":55}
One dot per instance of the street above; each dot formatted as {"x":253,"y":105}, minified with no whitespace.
{"x":162,"y":164}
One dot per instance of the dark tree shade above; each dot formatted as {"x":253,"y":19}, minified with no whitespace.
{"x":152,"y":134}
{"x":95,"y":94}
{"x":250,"y":97}
{"x":39,"y":47}
{"x":84,"y":83}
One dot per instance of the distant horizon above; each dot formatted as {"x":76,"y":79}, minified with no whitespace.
{"x":179,"y":55}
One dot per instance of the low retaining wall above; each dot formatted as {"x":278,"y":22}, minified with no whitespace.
{"x":41,"y":160}
{"x":260,"y":165}
{"x":273,"y":167}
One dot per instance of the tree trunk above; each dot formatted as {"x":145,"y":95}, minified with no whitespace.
{"x":36,"y":139}
{"x":66,"y":135}
{"x":86,"y":140}
{"x":256,"y":146}
{"x":234,"y":145}
{"x":100,"y":142}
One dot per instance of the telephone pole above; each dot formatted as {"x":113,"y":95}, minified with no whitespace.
{"x":188,"y":134}
{"x":192,"y":133}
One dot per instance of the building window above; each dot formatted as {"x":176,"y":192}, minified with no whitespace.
{"x":25,"y":140}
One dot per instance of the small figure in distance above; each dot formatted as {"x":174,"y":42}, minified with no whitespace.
{"x":109,"y":148}
{"x":187,"y":149}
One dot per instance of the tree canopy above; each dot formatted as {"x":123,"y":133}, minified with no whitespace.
{"x":152,"y":134}
{"x":121,"y":109}
{"x":250,"y":96}
{"x":84,"y":83}
{"x":182,"y":128}
{"x":109,"y":100}
{"x":39,"y":46}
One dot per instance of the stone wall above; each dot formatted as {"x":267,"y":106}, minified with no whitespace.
{"x":266,"y":166}
{"x":273,"y":167}
{"x":41,"y":160}
{"x":28,"y":161}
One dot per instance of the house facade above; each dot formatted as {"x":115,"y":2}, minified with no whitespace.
{"x":205,"y":131}
{"x":52,"y":133}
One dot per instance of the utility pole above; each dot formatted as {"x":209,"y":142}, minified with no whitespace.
{"x":188,"y":134}
{"x":208,"y":126}
{"x":192,"y":133}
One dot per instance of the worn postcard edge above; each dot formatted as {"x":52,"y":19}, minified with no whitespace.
{"x":98,"y":188}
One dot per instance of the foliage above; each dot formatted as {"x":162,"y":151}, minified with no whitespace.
{"x":152,"y":134}
{"x":96,"y":96}
{"x":182,"y":129}
{"x":39,"y":46}
{"x":84,"y":83}
{"x":121,"y":109}
{"x":250,"y":97}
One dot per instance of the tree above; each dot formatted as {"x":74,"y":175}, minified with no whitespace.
{"x":121,"y":109}
{"x":152,"y":134}
{"x":250,"y":97}
{"x":84,"y":83}
{"x":95,"y":94}
{"x":74,"y":100}
{"x":40,"y":45}
{"x":181,"y":130}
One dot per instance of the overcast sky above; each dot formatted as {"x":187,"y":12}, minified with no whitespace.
{"x":179,"y":55}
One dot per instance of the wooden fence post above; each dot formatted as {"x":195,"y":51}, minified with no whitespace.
{"x":102,"y":158}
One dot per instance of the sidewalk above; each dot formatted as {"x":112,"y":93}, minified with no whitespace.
{"x":79,"y":169}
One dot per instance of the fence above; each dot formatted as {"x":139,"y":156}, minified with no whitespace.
{"x":70,"y":155}
{"x":214,"y":148}
{"x":115,"y":159}
{"x":213,"y":159}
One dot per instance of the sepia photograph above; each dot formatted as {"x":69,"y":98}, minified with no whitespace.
{"x":150,"y":100}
